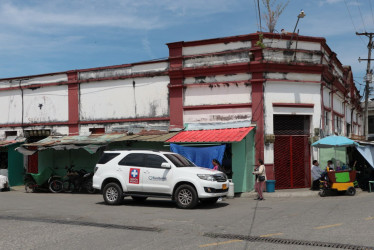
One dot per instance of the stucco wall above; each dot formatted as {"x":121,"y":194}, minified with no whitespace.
{"x":121,"y":99}
{"x":219,"y":47}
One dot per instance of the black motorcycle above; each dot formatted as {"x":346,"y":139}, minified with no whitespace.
{"x":78,"y":181}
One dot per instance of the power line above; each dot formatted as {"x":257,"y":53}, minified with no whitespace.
{"x":371,"y":8}
{"x":254,"y":2}
{"x":359,"y":9}
{"x":259,"y":14}
{"x":354,"y":26}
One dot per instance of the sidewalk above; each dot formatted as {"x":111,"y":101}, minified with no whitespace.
{"x":283,"y":193}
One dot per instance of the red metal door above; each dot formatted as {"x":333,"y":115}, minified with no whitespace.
{"x":291,"y":161}
{"x":32,"y":163}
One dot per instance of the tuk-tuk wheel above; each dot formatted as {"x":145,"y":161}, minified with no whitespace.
{"x":30,"y":187}
{"x":322,"y":193}
{"x":351,"y":191}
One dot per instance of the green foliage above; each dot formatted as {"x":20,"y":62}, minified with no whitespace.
{"x":260,"y":42}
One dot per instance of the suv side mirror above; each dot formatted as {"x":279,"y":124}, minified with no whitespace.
{"x":165,"y":165}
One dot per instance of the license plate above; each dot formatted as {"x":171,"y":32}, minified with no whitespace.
{"x":224,"y":186}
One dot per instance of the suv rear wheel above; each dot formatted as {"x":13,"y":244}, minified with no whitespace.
{"x":113,"y":194}
{"x":186,"y":196}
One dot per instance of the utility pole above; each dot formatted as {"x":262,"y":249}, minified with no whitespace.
{"x":368,"y":78}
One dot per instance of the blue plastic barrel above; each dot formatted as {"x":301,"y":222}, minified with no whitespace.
{"x":270,"y":186}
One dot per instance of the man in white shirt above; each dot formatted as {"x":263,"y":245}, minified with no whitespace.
{"x":316,"y":175}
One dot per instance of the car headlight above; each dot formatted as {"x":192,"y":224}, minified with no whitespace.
{"x":207,"y":177}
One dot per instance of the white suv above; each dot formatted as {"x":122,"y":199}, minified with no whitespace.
{"x":145,"y":173}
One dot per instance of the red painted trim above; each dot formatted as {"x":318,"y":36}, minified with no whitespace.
{"x":252,"y":67}
{"x":238,"y":82}
{"x":327,"y":108}
{"x":339,"y":114}
{"x":249,"y":37}
{"x":176,"y":79}
{"x":73,"y":102}
{"x":269,"y":168}
{"x":322,"y":108}
{"x":218,"y":106}
{"x":332,"y":109}
{"x":258,"y":115}
{"x":294,"y":105}
{"x":126,"y":120}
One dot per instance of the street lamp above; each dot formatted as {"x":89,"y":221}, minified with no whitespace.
{"x":301,"y":15}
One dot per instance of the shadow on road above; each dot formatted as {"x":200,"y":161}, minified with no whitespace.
{"x":165,"y":204}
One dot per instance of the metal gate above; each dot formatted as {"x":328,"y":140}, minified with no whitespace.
{"x":291,"y":152}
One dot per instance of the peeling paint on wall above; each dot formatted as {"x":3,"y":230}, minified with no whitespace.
{"x":228,"y":58}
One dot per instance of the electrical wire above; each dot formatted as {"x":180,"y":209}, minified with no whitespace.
{"x":254,"y":2}
{"x":359,"y":9}
{"x":354,"y":26}
{"x":371,"y":8}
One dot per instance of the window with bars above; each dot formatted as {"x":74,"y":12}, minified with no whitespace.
{"x":327,"y":122}
{"x":338,"y":124}
{"x":371,"y":124}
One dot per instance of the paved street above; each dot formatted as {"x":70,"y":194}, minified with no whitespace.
{"x":82,"y":221}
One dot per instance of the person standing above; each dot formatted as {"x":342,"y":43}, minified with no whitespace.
{"x":316,"y":175}
{"x":260,"y":175}
{"x":216,"y":165}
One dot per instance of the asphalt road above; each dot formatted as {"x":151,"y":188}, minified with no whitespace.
{"x":83,"y":221}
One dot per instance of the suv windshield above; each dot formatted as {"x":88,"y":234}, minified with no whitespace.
{"x":179,"y":161}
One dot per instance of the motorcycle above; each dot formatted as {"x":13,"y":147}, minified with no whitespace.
{"x":78,"y":180}
{"x":45,"y":180}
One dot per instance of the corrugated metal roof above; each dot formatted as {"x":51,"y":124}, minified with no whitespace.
{"x":101,"y":139}
{"x":212,"y":135}
{"x":7,"y":143}
{"x":150,"y":138}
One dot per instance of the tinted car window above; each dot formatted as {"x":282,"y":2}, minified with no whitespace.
{"x":154,"y":161}
{"x":133,"y":160}
{"x":106,"y":157}
{"x":179,"y":161}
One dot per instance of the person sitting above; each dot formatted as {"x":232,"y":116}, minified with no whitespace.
{"x":316,"y":175}
{"x":330,"y":166}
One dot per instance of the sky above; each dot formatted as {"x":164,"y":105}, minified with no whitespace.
{"x":38,"y":36}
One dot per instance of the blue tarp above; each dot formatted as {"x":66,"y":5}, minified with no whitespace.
{"x":201,"y":156}
{"x":367,"y":152}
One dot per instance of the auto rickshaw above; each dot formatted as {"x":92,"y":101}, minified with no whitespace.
{"x":339,"y":181}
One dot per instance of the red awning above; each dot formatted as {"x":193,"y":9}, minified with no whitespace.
{"x":212,"y":135}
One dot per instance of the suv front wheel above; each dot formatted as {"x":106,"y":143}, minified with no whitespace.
{"x":113,"y":194}
{"x":186,"y":196}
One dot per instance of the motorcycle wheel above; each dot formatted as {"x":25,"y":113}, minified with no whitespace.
{"x":30,"y":187}
{"x":68,"y":187}
{"x":90,"y":188}
{"x":55,"y":186}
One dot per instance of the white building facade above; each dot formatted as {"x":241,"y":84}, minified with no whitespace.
{"x":291,"y":95}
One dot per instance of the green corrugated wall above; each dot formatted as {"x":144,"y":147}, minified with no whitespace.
{"x":16,"y":171}
{"x":242,"y":164}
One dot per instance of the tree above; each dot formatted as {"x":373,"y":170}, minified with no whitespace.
{"x":271,"y":16}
